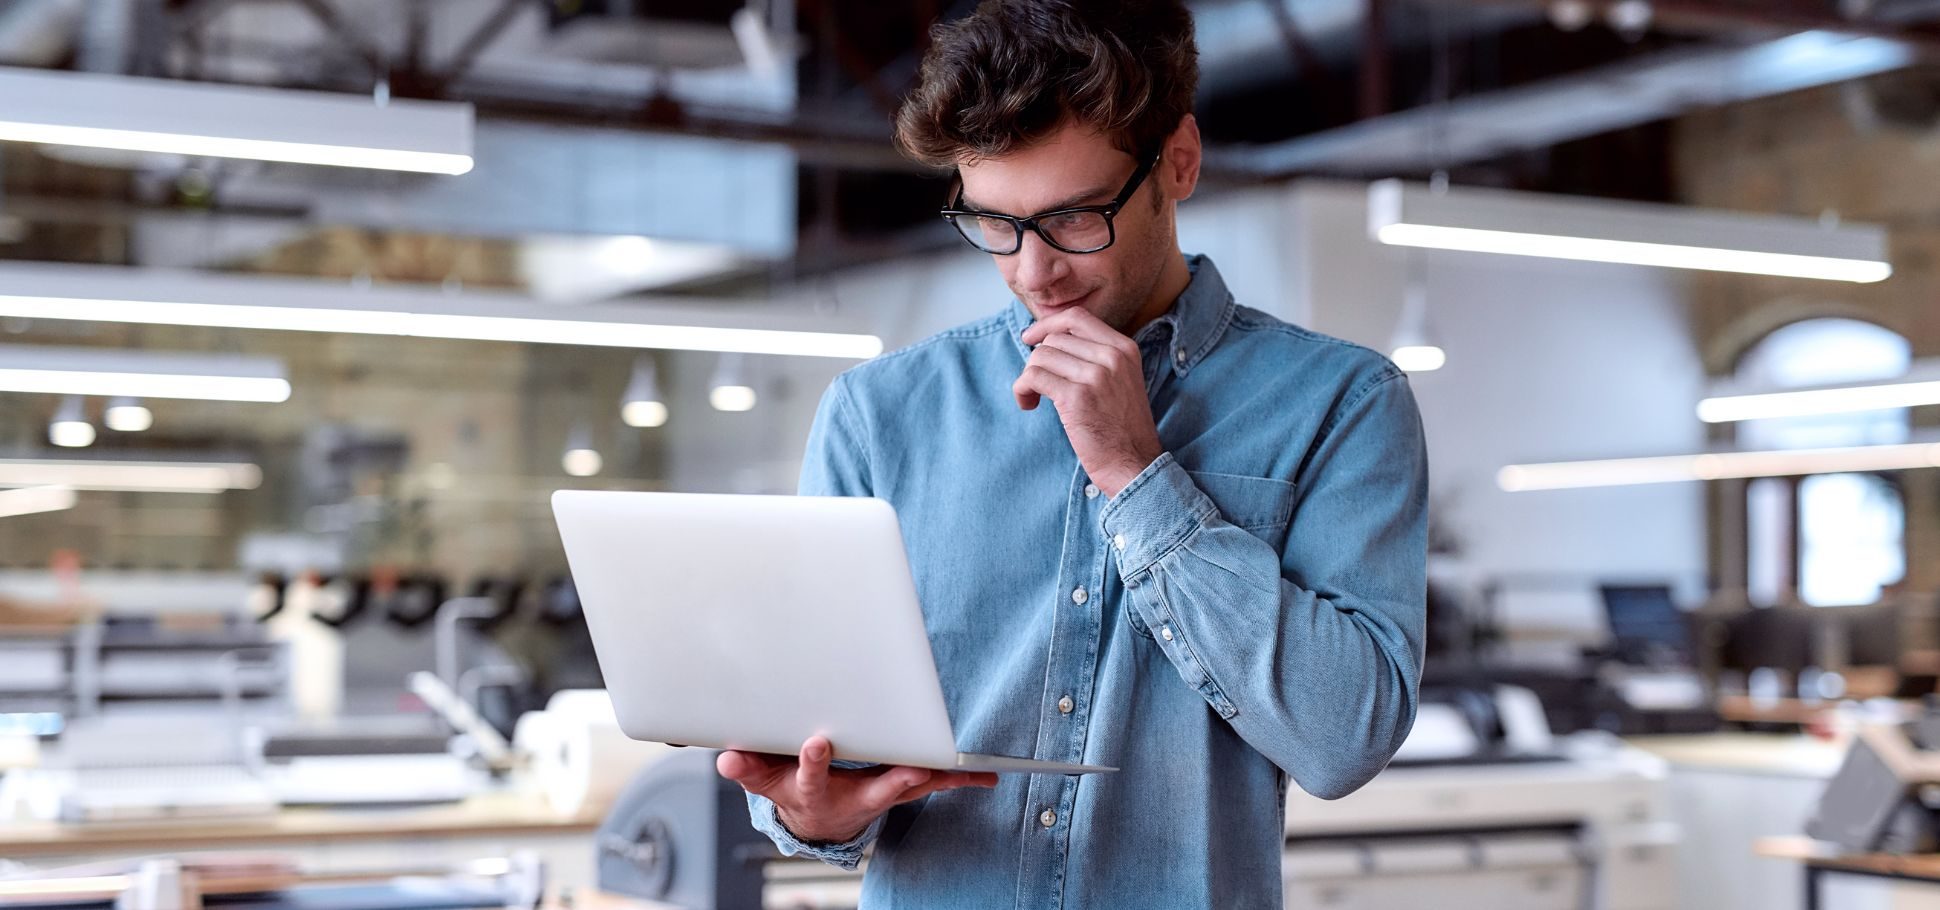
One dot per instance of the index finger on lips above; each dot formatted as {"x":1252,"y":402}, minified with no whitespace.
{"x":1083,"y":348}
{"x":1080,"y":322}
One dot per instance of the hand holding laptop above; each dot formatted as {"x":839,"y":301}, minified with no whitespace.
{"x":821,"y":804}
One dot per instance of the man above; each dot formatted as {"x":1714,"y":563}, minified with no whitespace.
{"x":1150,"y":528}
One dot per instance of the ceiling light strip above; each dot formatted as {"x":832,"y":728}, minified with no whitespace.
{"x":145,"y":385}
{"x":449,"y":326}
{"x":1505,"y":222}
{"x":177,"y":117}
{"x":1715,"y":466}
{"x":140,"y":373}
{"x":35,"y":500}
{"x":351,"y":156}
{"x":131,"y":476}
{"x":1816,"y":402}
{"x":1630,"y":252}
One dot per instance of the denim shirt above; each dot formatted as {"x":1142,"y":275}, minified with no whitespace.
{"x":1249,"y":608}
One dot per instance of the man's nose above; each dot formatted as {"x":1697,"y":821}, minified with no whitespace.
{"x":1040,"y":266}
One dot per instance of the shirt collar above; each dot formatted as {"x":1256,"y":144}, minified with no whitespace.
{"x":1198,"y":318}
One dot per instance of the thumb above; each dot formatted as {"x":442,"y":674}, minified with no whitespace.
{"x":889,"y":788}
{"x":812,"y":774}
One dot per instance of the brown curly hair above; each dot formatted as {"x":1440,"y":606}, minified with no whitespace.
{"x":1012,"y":72}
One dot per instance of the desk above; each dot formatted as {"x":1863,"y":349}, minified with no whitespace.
{"x":1820,"y":859}
{"x":1743,"y":709}
{"x":589,"y":899}
{"x":1777,"y":754}
{"x":492,"y":824}
{"x":1727,"y":790}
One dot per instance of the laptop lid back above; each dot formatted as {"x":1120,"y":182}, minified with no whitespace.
{"x":755,"y":622}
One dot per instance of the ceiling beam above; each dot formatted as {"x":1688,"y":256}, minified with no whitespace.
{"x":1553,"y":111}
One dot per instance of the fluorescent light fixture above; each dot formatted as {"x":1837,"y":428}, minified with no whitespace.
{"x":641,"y":406}
{"x":729,"y":389}
{"x":166,"y":116}
{"x":70,"y":428}
{"x":1716,"y":466}
{"x":128,"y":415}
{"x":1530,"y":224}
{"x":580,"y":458}
{"x":1731,"y":402}
{"x":109,"y":372}
{"x":576,"y":269}
{"x":159,"y":297}
{"x":33,"y":500}
{"x":130,"y":476}
{"x":582,"y":462}
{"x":1423,"y":358}
{"x":644,"y":414}
{"x":733,"y":398}
{"x":1413,"y":348}
{"x":1811,"y":402}
{"x":71,"y":434}
{"x":619,"y":254}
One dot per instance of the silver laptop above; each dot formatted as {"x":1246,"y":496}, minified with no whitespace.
{"x":755,"y":622}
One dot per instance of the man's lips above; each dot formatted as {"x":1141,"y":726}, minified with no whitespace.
{"x":1074,"y":301}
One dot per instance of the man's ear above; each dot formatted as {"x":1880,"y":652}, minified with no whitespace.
{"x":1179,"y":166}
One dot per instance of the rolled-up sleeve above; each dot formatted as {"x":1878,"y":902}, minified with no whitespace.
{"x":846,"y":855}
{"x":1311,"y":653}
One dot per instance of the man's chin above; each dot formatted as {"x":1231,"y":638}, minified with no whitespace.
{"x":1113,"y":314}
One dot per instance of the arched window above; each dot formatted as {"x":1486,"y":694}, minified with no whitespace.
{"x":1834,"y":538}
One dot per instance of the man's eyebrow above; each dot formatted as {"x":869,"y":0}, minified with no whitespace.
{"x":1065,"y":203}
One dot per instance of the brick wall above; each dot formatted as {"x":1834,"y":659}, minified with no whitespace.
{"x":1801,"y":154}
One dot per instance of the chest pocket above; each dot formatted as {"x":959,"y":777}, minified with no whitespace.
{"x":1261,"y":505}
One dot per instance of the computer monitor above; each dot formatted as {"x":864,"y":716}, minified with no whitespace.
{"x":1646,"y":627}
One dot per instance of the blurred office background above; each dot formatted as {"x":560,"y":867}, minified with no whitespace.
{"x":307,"y":306}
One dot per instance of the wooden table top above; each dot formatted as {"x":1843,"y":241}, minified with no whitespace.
{"x":507,"y":813}
{"x":588,"y":899}
{"x":1923,"y":866}
{"x":1786,"y":754}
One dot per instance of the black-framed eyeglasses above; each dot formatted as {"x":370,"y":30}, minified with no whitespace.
{"x":1079,"y":229}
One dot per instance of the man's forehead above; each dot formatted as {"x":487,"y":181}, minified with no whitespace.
{"x":1024,"y":183}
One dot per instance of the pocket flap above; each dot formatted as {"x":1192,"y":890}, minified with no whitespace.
{"x":1248,"y":502}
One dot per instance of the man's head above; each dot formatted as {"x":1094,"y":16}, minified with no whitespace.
{"x":1043,"y":105}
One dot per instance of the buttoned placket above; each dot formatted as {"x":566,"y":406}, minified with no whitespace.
{"x":1073,"y":663}
{"x":1071,"y":670}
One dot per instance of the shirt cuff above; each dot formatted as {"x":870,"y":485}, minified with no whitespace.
{"x":1154,"y":513}
{"x":845,"y":855}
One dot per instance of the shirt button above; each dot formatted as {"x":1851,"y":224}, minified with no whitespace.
{"x":1080,"y":596}
{"x":1179,"y":356}
{"x":1047,"y":818}
{"x":1065,"y":705}
{"x":1165,"y":632}
{"x":1118,"y":541}
{"x":1091,"y":491}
